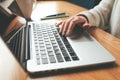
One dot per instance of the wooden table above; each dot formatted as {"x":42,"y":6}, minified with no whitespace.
{"x":11,"y":70}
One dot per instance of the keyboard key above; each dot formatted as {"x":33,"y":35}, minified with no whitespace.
{"x":44,"y":61}
{"x":75,"y":58}
{"x":43,"y":56}
{"x":59,"y":58}
{"x":65,"y":54}
{"x":67,"y":59}
{"x":42,"y":52}
{"x":52,"y":59}
{"x":50,"y":53}
{"x":57,"y":51}
{"x":38,"y":59}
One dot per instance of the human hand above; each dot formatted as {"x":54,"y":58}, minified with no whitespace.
{"x":68,"y":25}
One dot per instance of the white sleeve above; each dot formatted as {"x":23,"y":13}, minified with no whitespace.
{"x":100,"y":14}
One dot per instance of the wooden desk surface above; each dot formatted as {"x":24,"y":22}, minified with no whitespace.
{"x":111,"y":43}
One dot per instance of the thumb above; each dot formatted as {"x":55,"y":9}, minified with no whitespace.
{"x":86,"y":25}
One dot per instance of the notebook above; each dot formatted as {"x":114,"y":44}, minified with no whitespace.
{"x":39,"y":48}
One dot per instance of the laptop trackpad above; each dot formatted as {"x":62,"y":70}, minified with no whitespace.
{"x":80,"y":34}
{"x":83,"y":44}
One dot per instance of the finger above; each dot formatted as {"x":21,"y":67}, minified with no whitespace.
{"x":59,"y":23}
{"x":72,"y":24}
{"x":70,"y":28}
{"x":66,"y":26}
{"x":86,"y":25}
{"x":62,"y":26}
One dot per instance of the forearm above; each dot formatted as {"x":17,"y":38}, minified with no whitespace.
{"x":99,"y":15}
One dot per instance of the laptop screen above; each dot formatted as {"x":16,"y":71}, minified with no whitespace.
{"x":4,"y":22}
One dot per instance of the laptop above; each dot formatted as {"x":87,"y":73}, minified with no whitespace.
{"x":39,"y":47}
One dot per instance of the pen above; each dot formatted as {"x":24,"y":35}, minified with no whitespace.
{"x":54,"y":17}
{"x":56,"y":14}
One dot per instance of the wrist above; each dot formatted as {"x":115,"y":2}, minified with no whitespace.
{"x":84,"y":17}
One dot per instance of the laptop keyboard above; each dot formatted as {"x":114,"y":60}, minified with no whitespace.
{"x":49,"y":45}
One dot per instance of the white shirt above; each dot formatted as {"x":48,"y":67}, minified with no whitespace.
{"x":106,"y":15}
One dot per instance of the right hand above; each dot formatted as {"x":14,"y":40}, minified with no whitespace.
{"x":68,"y":25}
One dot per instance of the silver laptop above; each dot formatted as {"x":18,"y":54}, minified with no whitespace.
{"x":39,"y":48}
